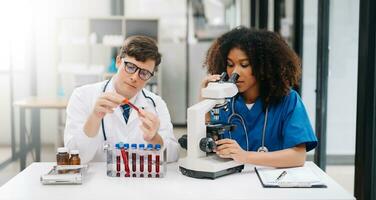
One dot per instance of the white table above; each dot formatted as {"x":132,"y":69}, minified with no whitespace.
{"x":245,"y":185}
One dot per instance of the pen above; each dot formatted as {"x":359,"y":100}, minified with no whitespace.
{"x":281,"y":176}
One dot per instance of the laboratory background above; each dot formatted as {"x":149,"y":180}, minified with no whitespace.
{"x":50,"y":47}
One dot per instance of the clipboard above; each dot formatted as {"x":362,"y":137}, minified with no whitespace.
{"x":298,"y":177}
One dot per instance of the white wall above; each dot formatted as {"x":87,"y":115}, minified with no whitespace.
{"x":5,"y":126}
{"x":42,"y":14}
{"x":16,"y":34}
{"x":4,"y":86}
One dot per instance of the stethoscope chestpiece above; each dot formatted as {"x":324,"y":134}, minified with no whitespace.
{"x":106,"y":146}
{"x":262,"y":149}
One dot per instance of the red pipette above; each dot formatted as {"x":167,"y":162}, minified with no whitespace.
{"x":125,"y":160}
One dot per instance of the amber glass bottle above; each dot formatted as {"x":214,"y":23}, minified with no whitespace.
{"x":62,"y":156}
{"x":75,"y":158}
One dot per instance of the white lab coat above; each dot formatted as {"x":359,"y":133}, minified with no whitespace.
{"x":80,"y":106}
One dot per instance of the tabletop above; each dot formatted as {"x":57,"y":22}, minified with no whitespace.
{"x":42,"y":102}
{"x":96,"y":185}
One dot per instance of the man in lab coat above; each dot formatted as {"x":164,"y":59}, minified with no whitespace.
{"x":97,"y":115}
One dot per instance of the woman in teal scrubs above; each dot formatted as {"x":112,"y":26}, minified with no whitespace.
{"x":272,"y":125}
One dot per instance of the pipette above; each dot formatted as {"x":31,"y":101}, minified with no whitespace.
{"x":125,"y":160}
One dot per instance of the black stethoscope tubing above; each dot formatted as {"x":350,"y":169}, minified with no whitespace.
{"x":262,"y":148}
{"x":102,"y":121}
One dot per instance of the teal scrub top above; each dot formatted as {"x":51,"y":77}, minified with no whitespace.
{"x":287,"y":126}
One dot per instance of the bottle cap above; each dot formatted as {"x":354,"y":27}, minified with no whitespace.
{"x":134,"y":146}
{"x":150,"y":147}
{"x":121,"y":145}
{"x":126,"y":146}
{"x":157,"y":146}
{"x":117,"y":146}
{"x":75,"y":151}
{"x":141,"y":146}
{"x":62,"y":150}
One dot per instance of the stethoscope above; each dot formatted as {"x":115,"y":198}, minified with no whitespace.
{"x":104,"y":90}
{"x":262,"y":148}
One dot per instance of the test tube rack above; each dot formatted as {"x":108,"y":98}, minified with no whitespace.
{"x":136,"y":161}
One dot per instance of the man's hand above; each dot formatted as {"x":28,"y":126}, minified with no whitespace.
{"x":150,"y":124}
{"x":106,"y":103}
{"x":227,"y":148}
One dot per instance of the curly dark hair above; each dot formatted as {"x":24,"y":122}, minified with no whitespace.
{"x":141,"y":48}
{"x":275,"y":65}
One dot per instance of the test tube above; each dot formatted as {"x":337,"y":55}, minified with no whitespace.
{"x":126,"y":147}
{"x":150,"y":159}
{"x":110,"y":161}
{"x":157,"y":159}
{"x":134,"y":159}
{"x":117,"y":160}
{"x":141,"y":150}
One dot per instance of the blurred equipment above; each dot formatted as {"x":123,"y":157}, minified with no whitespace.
{"x":147,"y":27}
{"x":201,"y":162}
{"x":209,"y":25}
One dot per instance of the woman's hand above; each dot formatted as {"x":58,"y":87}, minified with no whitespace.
{"x":209,"y":78}
{"x":205,"y":82}
{"x":227,"y":148}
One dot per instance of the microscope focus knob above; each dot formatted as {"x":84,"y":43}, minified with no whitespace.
{"x":207,"y":145}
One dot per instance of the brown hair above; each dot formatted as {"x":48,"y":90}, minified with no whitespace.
{"x":142,"y":48}
{"x":275,"y":65}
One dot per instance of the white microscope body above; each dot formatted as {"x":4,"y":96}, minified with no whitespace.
{"x":199,"y":164}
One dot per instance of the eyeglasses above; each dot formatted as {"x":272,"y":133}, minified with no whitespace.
{"x":132,"y":68}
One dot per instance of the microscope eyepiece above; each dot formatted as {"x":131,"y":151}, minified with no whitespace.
{"x":233,"y":78}
{"x":223,"y":77}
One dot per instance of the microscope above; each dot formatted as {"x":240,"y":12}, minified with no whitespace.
{"x":201,"y":161}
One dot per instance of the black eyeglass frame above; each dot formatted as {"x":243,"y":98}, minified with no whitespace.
{"x":141,"y":70}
